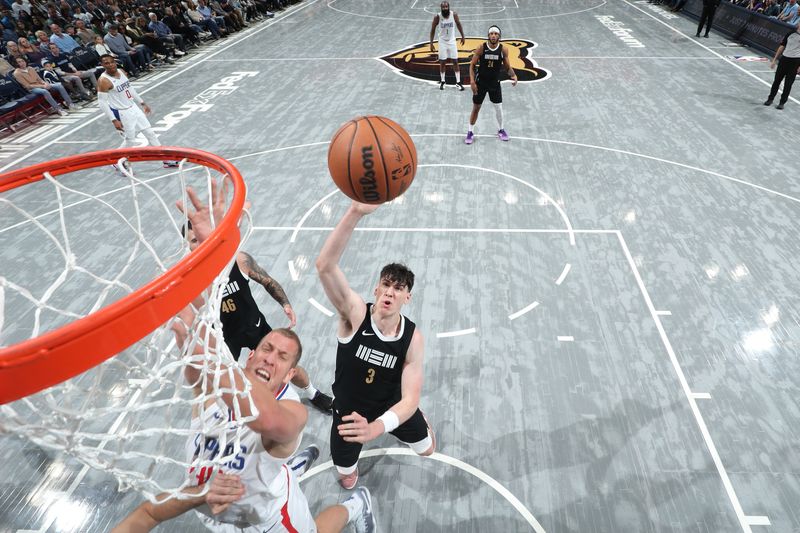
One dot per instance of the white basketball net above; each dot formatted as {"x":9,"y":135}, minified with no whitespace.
{"x":130,"y":415}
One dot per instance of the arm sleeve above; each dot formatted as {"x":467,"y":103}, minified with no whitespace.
{"x":102,"y":100}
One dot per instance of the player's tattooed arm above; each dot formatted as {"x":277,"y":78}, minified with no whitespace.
{"x":258,"y":274}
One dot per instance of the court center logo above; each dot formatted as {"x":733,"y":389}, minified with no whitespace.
{"x":418,"y":62}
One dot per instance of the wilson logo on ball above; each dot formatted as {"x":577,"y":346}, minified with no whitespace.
{"x":372,"y":159}
{"x":418,"y":62}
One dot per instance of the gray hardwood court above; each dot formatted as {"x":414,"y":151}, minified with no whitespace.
{"x":609,"y":299}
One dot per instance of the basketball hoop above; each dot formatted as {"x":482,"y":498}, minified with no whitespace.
{"x":99,"y":375}
{"x":53,"y":357}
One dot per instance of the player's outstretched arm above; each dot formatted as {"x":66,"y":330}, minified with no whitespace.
{"x":247,"y":264}
{"x":148,"y":515}
{"x":351,"y":306}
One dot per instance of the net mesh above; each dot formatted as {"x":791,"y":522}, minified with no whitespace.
{"x":113,"y":231}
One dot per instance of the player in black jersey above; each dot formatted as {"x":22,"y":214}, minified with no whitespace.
{"x":243,"y":323}
{"x":379,"y":358}
{"x":488,"y":58}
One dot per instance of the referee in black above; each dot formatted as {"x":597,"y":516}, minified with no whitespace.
{"x":788,"y":58}
{"x":707,"y":17}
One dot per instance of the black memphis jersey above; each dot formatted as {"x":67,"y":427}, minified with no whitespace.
{"x":239,"y":310}
{"x":369,"y":368}
{"x":490,"y":63}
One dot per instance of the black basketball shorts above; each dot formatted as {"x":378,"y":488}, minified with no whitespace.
{"x":492,"y":88}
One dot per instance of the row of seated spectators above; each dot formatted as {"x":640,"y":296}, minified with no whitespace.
{"x":783,"y":10}
{"x":51,"y":50}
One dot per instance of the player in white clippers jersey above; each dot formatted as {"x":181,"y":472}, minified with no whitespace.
{"x":272,"y":501}
{"x":447,"y":22}
{"x":120,"y":102}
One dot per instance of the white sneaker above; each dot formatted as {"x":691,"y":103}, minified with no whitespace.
{"x":301,"y":462}
{"x":364,"y":522}
{"x":178,"y":53}
{"x":63,"y":112}
{"x":72,"y":106}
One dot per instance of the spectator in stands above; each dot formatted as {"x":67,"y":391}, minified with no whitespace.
{"x":42,"y":41}
{"x":54,"y":17}
{"x":31,"y":81}
{"x":124,"y":52}
{"x":231,"y":21}
{"x":771,"y":8}
{"x":236,"y":14}
{"x":13,"y":51}
{"x":137,"y":31}
{"x":755,"y":5}
{"x":21,"y":5}
{"x":208,"y":14}
{"x":5,"y":67}
{"x":84,"y":34}
{"x":32,"y":53}
{"x":68,"y":72}
{"x":64,"y":42}
{"x":789,"y":12}
{"x":208,"y":24}
{"x":177,"y":25}
{"x":165,"y":35}
{"x":79,"y":14}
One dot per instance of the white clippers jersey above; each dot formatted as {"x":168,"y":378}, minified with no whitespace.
{"x":447,"y":29}
{"x":263,"y":475}
{"x":119,"y":97}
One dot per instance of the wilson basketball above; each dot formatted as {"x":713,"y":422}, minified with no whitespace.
{"x":372,"y":159}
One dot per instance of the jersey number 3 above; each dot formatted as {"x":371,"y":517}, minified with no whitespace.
{"x":370,"y":375}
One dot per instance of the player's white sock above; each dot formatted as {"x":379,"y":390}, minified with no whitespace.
{"x":470,"y":128}
{"x":498,"y":112}
{"x":458,"y":75}
{"x":354,"y":507}
{"x":309,"y":391}
{"x":441,"y":74}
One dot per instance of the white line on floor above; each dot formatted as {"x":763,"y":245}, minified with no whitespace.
{"x":726,"y":482}
{"x":293,"y":271}
{"x":320,"y":307}
{"x":664,"y":313}
{"x":701,"y":395}
{"x":565,"y":338}
{"x":75,"y":142}
{"x":527,"y":308}
{"x":452,"y":461}
{"x":456,"y":333}
{"x":758,"y":520}
{"x":564,"y":273}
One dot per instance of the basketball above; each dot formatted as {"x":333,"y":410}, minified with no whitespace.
{"x":372,"y":159}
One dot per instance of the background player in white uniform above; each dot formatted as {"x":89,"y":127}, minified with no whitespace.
{"x":447,"y":21}
{"x":272,"y":500}
{"x":120,"y":102}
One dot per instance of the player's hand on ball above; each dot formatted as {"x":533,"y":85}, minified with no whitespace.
{"x":357,"y":429}
{"x":224,"y":490}
{"x":364,"y":209}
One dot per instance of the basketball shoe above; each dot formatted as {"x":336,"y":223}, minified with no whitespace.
{"x":441,"y":86}
{"x":361,"y":503}
{"x":460,"y":86}
{"x":502,"y":135}
{"x":470,"y":138}
{"x":323,"y":402}
{"x":301,"y":462}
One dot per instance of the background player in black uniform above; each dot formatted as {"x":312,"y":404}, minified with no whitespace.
{"x":379,"y":358}
{"x":243,"y":323}
{"x":488,"y":57}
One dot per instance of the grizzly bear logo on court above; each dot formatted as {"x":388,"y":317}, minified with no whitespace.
{"x":418,"y":62}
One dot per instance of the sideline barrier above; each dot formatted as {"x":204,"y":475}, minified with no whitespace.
{"x":747,"y":27}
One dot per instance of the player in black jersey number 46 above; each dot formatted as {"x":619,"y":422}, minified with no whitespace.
{"x":379,"y":358}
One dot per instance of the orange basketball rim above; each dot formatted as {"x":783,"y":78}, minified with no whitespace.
{"x":53,"y":357}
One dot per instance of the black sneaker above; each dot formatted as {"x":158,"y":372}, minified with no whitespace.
{"x":323,"y":402}
{"x":441,"y":86}
{"x":768,"y":102}
{"x":779,"y":106}
{"x":460,"y":87}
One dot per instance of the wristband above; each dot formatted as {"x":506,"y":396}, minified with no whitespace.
{"x":390,"y":421}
